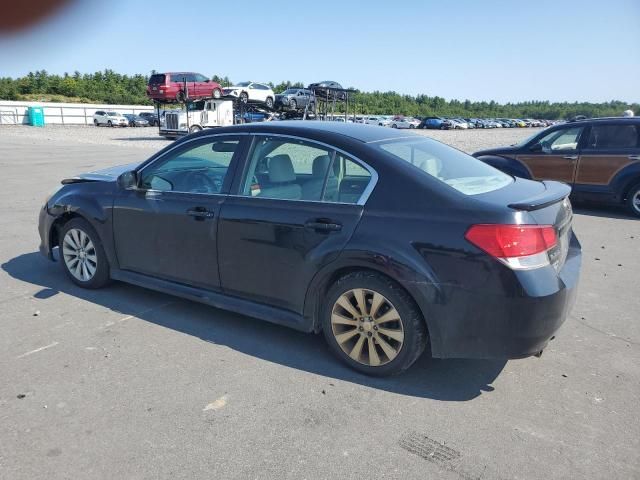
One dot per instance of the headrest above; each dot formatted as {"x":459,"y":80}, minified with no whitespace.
{"x":320,"y":165}
{"x":281,"y":169}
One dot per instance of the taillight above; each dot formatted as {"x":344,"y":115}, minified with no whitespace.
{"x":519,"y":247}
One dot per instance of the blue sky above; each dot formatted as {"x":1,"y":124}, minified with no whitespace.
{"x":478,"y":50}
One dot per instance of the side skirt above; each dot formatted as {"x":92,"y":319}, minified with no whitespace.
{"x":215,"y":299}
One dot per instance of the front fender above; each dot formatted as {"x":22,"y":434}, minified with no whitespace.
{"x":510,"y":166}
{"x":92,"y":201}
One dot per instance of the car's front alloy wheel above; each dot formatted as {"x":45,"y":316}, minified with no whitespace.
{"x":373,"y":324}
{"x":82,"y":255}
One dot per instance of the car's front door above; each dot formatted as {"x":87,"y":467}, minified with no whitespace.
{"x":609,"y":148}
{"x":167,"y":227}
{"x":554,"y":156}
{"x":297,"y":205}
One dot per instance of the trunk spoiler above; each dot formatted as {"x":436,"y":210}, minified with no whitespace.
{"x":554,"y":192}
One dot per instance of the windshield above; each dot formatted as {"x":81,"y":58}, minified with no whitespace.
{"x":290,"y":92}
{"x":243,"y":84}
{"x":113,"y":114}
{"x":452,"y":167}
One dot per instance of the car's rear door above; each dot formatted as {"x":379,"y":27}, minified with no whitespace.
{"x":167,"y":227}
{"x":284,"y":224}
{"x":554,"y":156}
{"x":609,"y":148}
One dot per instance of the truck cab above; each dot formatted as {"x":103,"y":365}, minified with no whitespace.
{"x":198,"y":116}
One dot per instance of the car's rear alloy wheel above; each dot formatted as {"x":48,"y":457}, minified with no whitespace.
{"x":373,"y":324}
{"x":95,"y":122}
{"x":633,"y":200}
{"x":269,"y":102}
{"x":82,"y":255}
{"x":367,"y":327}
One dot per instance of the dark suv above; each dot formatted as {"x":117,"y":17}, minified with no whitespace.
{"x":598,"y":157}
{"x":295,"y":98}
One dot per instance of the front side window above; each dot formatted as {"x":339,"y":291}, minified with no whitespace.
{"x":605,"y":137}
{"x":560,"y":140}
{"x":291,"y":169}
{"x":452,"y":167}
{"x":201,"y":168}
{"x":200,"y":78}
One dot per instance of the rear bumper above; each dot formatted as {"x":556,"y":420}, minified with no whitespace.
{"x":475,"y":324}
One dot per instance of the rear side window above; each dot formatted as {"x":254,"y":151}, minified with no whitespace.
{"x":157,"y":79}
{"x":452,"y":167}
{"x":180,"y":77}
{"x":605,"y":137}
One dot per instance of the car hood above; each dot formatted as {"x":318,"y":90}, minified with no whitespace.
{"x":495,"y":151}
{"x":106,"y":175}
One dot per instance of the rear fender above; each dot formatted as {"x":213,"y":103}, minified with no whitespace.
{"x":623,"y":180}
{"x":421,"y":285}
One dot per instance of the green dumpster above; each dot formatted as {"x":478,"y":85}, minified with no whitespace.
{"x":36,"y":116}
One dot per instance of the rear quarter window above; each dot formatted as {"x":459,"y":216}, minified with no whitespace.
{"x":448,"y":165}
{"x":156,"y":79}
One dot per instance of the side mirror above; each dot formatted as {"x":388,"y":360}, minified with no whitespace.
{"x":536,"y":148}
{"x":128,"y":180}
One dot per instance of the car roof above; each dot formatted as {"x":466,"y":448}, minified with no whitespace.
{"x":605,"y":119}
{"x":355,"y":131}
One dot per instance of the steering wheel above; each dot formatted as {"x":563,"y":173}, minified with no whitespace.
{"x":200,"y":182}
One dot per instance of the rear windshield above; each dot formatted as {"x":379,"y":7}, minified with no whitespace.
{"x":157,"y":79}
{"x":452,"y":167}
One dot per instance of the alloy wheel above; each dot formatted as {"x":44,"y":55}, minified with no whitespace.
{"x":635,"y":201}
{"x":79,"y":254}
{"x":367,"y":327}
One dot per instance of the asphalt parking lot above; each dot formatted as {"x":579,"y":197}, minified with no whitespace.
{"x":128,"y":383}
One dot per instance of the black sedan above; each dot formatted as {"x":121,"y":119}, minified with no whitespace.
{"x":136,"y":120}
{"x":387,"y":242}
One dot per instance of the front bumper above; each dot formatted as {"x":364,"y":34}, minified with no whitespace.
{"x":476,"y":324}
{"x":45,"y":225}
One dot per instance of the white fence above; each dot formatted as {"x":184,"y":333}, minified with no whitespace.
{"x":15,"y":113}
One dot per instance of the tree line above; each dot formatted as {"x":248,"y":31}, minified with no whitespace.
{"x":111,"y":87}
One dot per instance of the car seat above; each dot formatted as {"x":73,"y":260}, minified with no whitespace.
{"x":312,"y":189}
{"x":281,"y":180}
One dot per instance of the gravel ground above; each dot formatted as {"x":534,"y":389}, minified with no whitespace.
{"x":148,"y":138}
{"x":124,"y":382}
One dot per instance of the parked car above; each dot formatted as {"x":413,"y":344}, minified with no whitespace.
{"x":459,"y":123}
{"x":252,"y":92}
{"x":404,"y":122}
{"x":328,"y":90}
{"x":296,"y":98}
{"x":599,"y":158}
{"x":136,"y":120}
{"x":380,"y":121}
{"x":438,"y":123}
{"x":390,"y":239}
{"x":110,"y":119}
{"x":150,"y":117}
{"x":170,"y":87}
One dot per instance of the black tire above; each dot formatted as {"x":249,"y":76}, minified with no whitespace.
{"x":393,"y":125}
{"x":244,"y":97}
{"x":101,"y":276}
{"x":293,"y":104}
{"x":415,"y":331}
{"x":633,"y":200}
{"x":181,"y":97}
{"x":195,"y":128}
{"x":269,"y":102}
{"x":109,"y":123}
{"x":95,"y":122}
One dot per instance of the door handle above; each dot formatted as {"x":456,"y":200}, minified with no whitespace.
{"x":200,"y":213}
{"x":323,"y":225}
{"x":634,"y":157}
{"x":571,"y":157}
